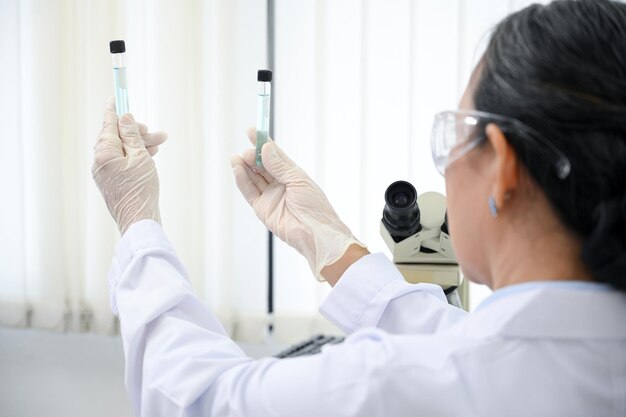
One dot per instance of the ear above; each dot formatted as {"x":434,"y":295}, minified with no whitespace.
{"x":506,"y":165}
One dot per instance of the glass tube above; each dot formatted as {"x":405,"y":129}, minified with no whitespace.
{"x":264,"y":77}
{"x":118,"y":49}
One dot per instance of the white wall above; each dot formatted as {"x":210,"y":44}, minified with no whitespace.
{"x":70,"y":375}
{"x":61,"y":375}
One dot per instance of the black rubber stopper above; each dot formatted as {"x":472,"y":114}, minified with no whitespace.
{"x":264,"y":75}
{"x":117,"y":47}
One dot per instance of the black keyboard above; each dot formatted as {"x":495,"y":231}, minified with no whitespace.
{"x":309,"y":346}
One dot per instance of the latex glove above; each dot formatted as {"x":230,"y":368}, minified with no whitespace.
{"x":292,"y":206}
{"x":124,"y":171}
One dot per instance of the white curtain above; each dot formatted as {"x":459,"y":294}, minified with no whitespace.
{"x":356,"y":86}
{"x":192,"y":72}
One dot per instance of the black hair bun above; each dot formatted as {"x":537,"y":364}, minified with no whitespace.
{"x":604,"y":251}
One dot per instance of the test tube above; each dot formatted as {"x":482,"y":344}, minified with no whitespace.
{"x":118,"y":49}
{"x":264,"y":77}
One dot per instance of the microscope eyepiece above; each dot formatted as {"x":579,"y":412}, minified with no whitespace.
{"x":401,"y":215}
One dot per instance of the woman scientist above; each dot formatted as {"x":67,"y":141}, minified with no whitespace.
{"x":535,"y":164}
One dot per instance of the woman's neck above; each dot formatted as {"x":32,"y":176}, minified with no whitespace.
{"x":552,"y":255}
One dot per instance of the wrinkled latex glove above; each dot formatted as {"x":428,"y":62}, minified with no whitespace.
{"x":124,"y":171}
{"x":292,"y":206}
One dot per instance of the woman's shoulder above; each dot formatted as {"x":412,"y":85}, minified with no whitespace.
{"x":550,"y":310}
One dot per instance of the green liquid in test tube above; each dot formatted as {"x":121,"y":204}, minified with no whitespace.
{"x":118,"y":50}
{"x":264,"y":77}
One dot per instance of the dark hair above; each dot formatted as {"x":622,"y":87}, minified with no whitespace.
{"x":561,"y":69}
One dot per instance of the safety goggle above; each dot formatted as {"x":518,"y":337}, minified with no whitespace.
{"x":455,"y":133}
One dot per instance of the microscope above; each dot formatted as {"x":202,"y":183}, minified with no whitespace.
{"x":416,"y":231}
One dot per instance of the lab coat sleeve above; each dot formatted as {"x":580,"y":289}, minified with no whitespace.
{"x":177,"y":353}
{"x":373,"y":293}
{"x":180,"y":361}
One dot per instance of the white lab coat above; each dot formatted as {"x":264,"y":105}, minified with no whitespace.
{"x":548,"y":349}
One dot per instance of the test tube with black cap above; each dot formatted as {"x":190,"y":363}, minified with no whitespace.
{"x":264,"y":78}
{"x":118,"y":50}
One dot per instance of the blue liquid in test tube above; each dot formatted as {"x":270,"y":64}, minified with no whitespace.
{"x":118,"y":49}
{"x":264,"y":77}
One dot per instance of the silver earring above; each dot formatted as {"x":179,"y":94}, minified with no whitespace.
{"x":492,"y":207}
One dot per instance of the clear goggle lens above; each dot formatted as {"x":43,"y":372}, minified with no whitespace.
{"x":455,"y":133}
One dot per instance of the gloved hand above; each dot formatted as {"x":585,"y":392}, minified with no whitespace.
{"x":292,"y":206}
{"x":124,"y":171}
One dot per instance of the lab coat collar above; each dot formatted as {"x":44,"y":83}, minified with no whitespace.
{"x":557,"y":310}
